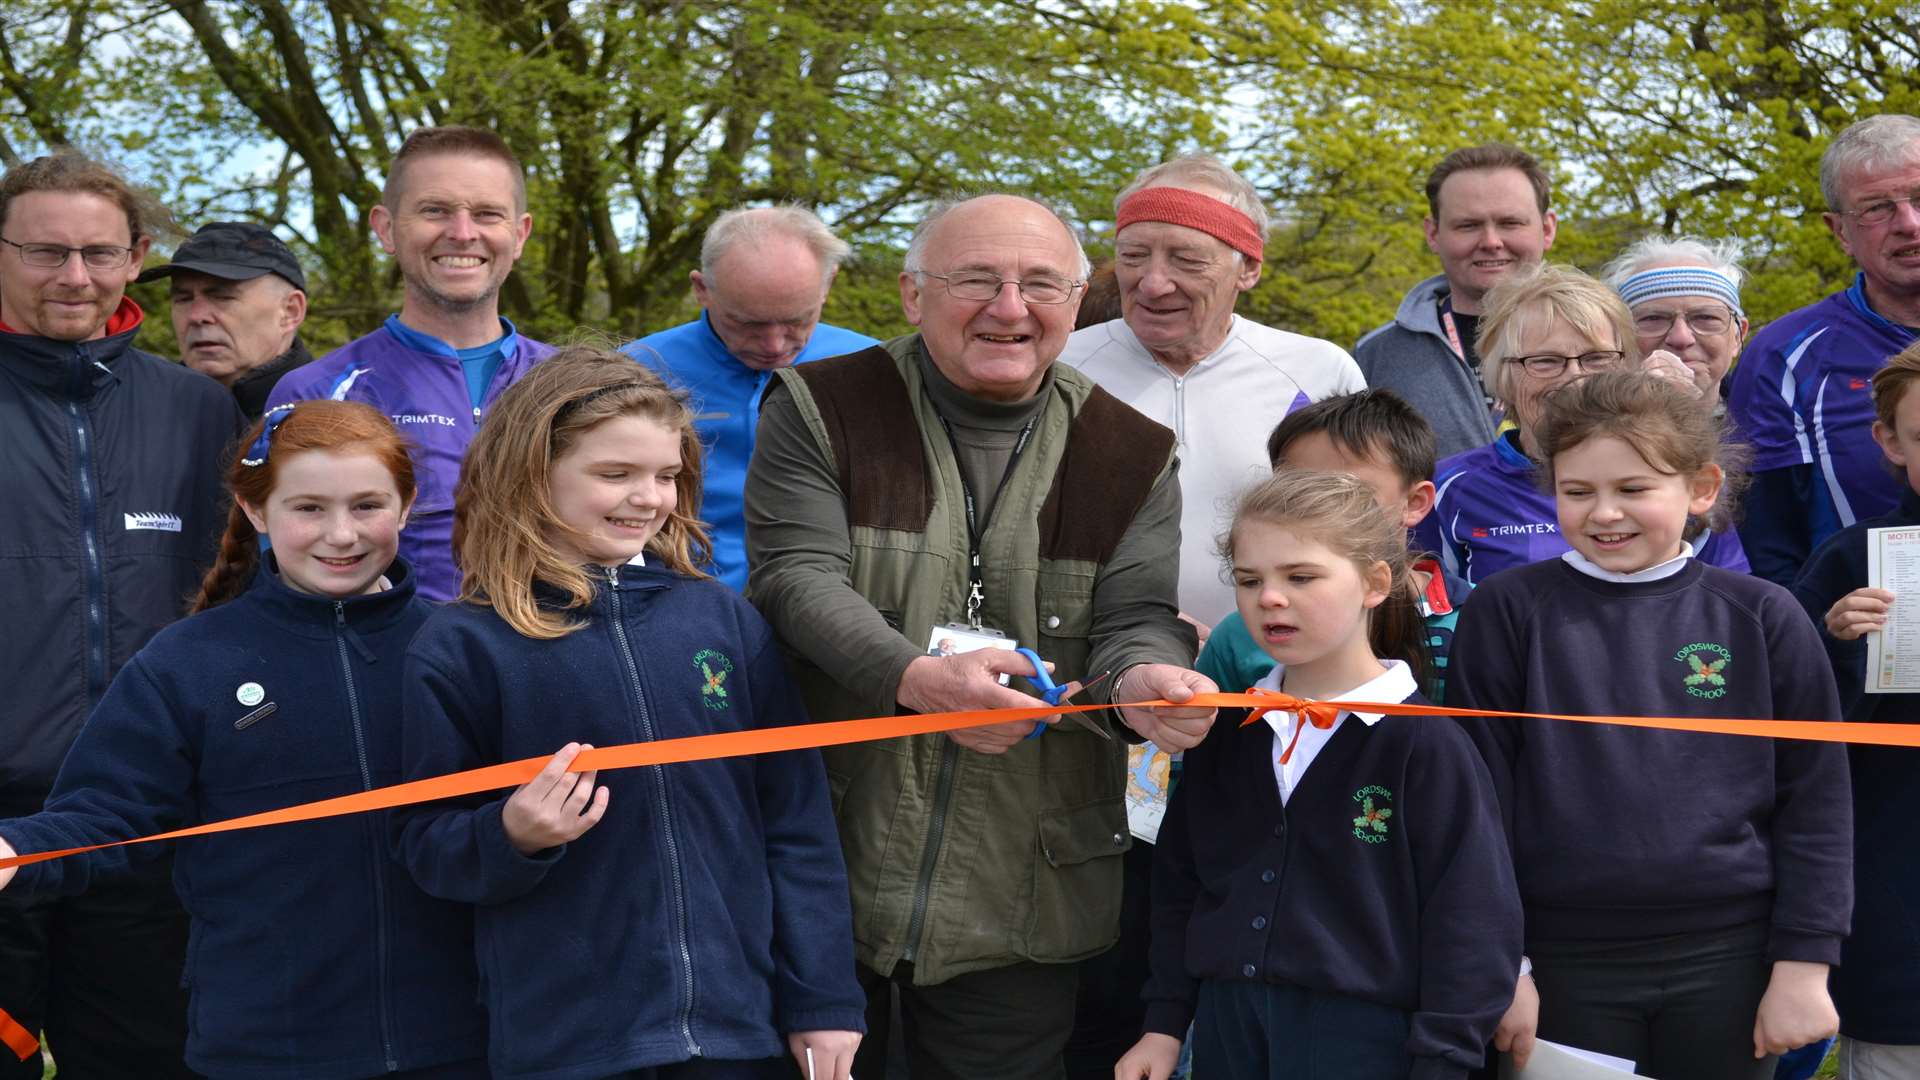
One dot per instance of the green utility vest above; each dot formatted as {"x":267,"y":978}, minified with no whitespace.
{"x":961,"y":861}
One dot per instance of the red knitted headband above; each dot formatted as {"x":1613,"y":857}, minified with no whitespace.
{"x":1178,"y":206}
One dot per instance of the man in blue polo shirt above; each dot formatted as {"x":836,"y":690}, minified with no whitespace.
{"x":1801,"y":394}
{"x":763,"y":278}
{"x":454,"y":217}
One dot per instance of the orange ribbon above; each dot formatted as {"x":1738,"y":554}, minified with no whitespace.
{"x":841,"y":732}
{"x":17,"y":1039}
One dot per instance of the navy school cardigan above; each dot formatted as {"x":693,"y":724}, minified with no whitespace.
{"x":1386,"y":877}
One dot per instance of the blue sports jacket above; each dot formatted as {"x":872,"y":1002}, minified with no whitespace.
{"x":312,"y":952}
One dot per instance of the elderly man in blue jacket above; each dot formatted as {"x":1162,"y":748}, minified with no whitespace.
{"x":763,"y":279}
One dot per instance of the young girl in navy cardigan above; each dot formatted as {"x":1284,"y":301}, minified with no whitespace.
{"x":665,"y":922}
{"x":1329,"y":901}
{"x":313,"y":953}
{"x":1685,"y":893}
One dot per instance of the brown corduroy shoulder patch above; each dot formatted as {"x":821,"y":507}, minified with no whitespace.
{"x":876,"y":444}
{"x":1113,"y":456}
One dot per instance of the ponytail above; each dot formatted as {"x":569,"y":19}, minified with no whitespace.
{"x":1397,"y":631}
{"x":233,"y":568}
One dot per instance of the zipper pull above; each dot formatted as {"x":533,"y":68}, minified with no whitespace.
{"x":476,"y":415}
{"x":340,"y":614}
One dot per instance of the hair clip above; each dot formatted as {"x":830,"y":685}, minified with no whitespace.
{"x":257,"y":453}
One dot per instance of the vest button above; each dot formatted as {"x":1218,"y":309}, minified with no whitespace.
{"x":1053,"y":622}
{"x":1249,"y":970}
{"x":1119,"y":839}
{"x":1259,"y":922}
{"x":1267,"y":876}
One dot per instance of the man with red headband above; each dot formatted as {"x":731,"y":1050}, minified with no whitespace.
{"x":1191,"y":238}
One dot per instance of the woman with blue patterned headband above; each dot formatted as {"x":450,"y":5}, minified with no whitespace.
{"x":1684,"y":293}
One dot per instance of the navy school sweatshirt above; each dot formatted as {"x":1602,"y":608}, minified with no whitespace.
{"x":313,"y":954}
{"x":1631,"y":833}
{"x":707,"y":914}
{"x":1877,"y":986}
{"x":1383,"y":878}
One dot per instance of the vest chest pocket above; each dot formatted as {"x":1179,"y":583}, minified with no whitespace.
{"x":1076,"y":887}
{"x":1064,"y":622}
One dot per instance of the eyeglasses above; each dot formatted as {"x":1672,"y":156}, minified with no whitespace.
{"x":1546,"y":365}
{"x":1881,"y":211}
{"x":972,"y":285}
{"x":50,"y":256}
{"x":1708,"y":321}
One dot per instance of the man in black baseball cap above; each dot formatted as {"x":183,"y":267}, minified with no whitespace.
{"x":239,"y":298}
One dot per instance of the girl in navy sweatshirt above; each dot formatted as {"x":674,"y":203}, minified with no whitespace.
{"x":313,"y":954}
{"x":1685,"y":893}
{"x":1331,"y":896}
{"x":661,"y":923}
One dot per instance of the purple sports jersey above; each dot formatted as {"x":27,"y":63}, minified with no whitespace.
{"x":425,"y":395}
{"x":1802,"y":394}
{"x":1491,"y":514}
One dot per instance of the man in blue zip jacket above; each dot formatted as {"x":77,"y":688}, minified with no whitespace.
{"x":112,"y":488}
{"x":454,"y":217}
{"x":763,"y":279}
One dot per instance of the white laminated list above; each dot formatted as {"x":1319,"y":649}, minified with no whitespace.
{"x":1893,"y":653}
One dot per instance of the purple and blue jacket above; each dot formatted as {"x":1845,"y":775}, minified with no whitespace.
{"x":423,"y":390}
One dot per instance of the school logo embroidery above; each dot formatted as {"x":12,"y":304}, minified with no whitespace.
{"x":1479,"y":533}
{"x":714,"y":669}
{"x":1856,"y":384}
{"x":1706,"y":668}
{"x":1371,"y":826}
{"x":153,"y":522}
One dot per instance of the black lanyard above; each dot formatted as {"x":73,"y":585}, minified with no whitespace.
{"x":976,"y":585}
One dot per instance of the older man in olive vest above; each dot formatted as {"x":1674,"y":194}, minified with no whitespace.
{"x":913,"y":512}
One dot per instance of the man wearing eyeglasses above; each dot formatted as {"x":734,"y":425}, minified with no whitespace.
{"x":1801,"y":395}
{"x":914,"y":512}
{"x":763,"y":280}
{"x":112,"y":492}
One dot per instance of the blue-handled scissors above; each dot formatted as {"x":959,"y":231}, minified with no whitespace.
{"x":1054,"y":694}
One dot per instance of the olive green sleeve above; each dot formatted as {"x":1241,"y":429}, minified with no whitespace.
{"x":799,"y":558}
{"x":1136,"y":619}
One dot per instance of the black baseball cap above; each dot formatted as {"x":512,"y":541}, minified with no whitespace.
{"x":235,"y":250}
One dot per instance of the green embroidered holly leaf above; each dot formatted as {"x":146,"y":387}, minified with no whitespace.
{"x":1715,"y":667}
{"x":1697,"y":678}
{"x":1379,"y":821}
{"x":1360,"y":822}
{"x":1699,"y":669}
{"x":714,"y":681}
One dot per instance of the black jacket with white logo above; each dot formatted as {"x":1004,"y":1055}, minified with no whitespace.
{"x":110,"y":504}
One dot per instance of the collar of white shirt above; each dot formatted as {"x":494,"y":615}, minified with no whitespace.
{"x":1394,"y":684}
{"x":1652,"y":573}
{"x":638,"y":560}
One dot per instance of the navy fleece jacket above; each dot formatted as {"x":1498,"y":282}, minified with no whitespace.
{"x":1632,"y":833}
{"x":1877,"y":986}
{"x":707,"y":914}
{"x":312,"y":954}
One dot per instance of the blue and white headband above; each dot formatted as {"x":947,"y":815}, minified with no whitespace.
{"x":1681,"y":281}
{"x":257,"y":453}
